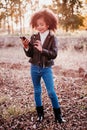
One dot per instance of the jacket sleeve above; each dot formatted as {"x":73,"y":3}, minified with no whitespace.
{"x":29,"y":52}
{"x":52,"y":52}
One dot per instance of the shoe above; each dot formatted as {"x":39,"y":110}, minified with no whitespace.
{"x":58,"y":116}
{"x":40,"y":113}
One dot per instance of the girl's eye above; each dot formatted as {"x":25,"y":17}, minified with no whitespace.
{"x":40,"y":25}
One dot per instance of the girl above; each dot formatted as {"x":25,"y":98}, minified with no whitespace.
{"x":42,"y":48}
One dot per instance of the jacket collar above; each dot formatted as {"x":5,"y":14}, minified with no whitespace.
{"x":46,"y":42}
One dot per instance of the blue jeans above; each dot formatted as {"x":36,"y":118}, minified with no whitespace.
{"x":46,"y":73}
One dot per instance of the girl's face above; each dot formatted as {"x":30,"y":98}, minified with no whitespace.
{"x":41,"y":25}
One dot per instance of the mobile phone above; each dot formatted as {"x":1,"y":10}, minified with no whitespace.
{"x":23,"y":38}
{"x":35,"y":37}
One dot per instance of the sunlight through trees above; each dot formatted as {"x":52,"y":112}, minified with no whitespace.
{"x":15,"y":14}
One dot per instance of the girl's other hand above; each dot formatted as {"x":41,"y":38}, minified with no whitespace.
{"x":38,"y":45}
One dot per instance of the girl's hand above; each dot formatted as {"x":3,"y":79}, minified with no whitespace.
{"x":25,"y":42}
{"x":38,"y":45}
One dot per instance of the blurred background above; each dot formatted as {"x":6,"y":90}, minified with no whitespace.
{"x":15,"y":15}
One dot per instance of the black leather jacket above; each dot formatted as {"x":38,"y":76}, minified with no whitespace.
{"x":49,"y":51}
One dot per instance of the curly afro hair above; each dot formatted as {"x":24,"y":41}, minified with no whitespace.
{"x":48,"y":16}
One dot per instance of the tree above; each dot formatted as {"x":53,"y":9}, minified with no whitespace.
{"x":85,"y":23}
{"x":7,"y":14}
{"x":12,"y":11}
{"x":68,"y":13}
{"x":4,"y":12}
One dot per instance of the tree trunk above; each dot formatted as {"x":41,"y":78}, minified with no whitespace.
{"x":12,"y":25}
{"x":20,"y":17}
